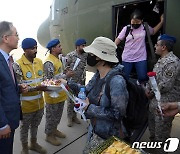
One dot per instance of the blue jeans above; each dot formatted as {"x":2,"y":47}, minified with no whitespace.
{"x":141,"y":70}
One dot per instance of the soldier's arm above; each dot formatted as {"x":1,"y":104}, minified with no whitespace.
{"x":18,"y":72}
{"x":48,"y":70}
{"x":168,"y":77}
{"x":69,"y":60}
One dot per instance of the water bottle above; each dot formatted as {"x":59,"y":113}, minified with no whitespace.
{"x":78,"y":107}
{"x":82,"y":94}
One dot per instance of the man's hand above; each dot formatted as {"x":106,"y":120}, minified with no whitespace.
{"x":69,"y":73}
{"x":23,"y":88}
{"x":169,"y":109}
{"x":149,"y":93}
{"x":5,"y":133}
{"x":41,"y":88}
{"x":63,"y":81}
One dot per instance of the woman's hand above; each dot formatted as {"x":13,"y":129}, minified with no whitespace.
{"x":87,"y":103}
{"x":162,"y":18}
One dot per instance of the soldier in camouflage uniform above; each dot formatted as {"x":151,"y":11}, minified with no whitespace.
{"x":29,"y":70}
{"x":53,"y":69}
{"x":79,"y":75}
{"x":167,"y":69}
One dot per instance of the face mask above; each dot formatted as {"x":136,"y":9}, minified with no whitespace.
{"x":91,"y":60}
{"x":91,"y":69}
{"x":136,"y":26}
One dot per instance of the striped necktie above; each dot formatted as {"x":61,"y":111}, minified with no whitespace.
{"x":11,"y":67}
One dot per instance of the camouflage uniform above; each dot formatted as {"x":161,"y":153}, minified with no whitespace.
{"x":79,"y":77}
{"x":31,"y":118}
{"x":53,"y":116}
{"x":54,"y":110}
{"x":168,"y":80}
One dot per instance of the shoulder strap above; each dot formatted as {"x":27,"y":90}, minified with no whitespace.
{"x":127,"y":31}
{"x":108,"y":80}
{"x":149,"y":40}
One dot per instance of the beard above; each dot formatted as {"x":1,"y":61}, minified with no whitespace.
{"x":81,"y":51}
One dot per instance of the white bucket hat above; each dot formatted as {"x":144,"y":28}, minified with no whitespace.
{"x":104,"y":48}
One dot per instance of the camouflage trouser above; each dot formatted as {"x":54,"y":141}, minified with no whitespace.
{"x":53,"y":116}
{"x":93,"y":143}
{"x":160,"y":129}
{"x":32,"y":121}
{"x":70,"y":109}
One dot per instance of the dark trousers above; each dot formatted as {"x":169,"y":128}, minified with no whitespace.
{"x":6,"y":145}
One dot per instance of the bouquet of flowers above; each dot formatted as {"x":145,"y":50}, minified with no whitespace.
{"x":155,"y":88}
{"x":53,"y":87}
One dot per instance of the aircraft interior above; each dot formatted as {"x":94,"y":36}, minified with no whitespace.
{"x":152,"y":11}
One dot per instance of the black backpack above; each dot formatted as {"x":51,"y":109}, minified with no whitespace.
{"x":121,"y":45}
{"x":137,"y":109}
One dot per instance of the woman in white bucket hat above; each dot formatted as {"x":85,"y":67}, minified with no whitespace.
{"x":105,"y":114}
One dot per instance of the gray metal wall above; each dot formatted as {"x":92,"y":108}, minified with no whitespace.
{"x":173,"y":22}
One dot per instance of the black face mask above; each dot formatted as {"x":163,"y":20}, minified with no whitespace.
{"x":91,"y":60}
{"x":136,"y":26}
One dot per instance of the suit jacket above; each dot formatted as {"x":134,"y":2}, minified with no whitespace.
{"x":9,"y":97}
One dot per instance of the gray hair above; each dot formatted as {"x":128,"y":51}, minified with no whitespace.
{"x":5,"y":29}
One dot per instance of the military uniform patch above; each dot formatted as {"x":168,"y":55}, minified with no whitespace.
{"x":169,"y":74}
{"x":40,"y":72}
{"x":28,"y":74}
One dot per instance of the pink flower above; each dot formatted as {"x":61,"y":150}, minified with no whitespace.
{"x":151,"y":74}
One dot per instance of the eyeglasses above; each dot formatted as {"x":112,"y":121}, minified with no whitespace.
{"x":17,"y":35}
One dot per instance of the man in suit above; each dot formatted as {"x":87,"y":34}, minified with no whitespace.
{"x":9,"y":90}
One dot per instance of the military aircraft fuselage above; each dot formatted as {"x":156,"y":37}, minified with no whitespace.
{"x":72,"y":19}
